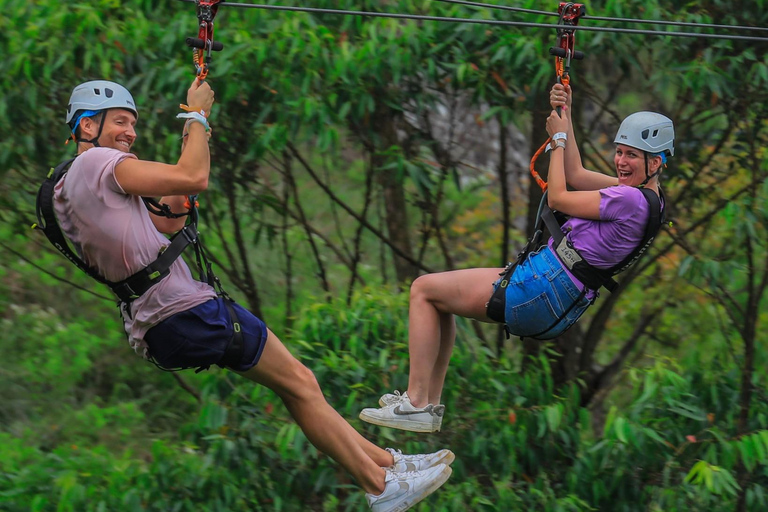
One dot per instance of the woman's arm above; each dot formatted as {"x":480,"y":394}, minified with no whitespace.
{"x":575,"y":174}
{"x":578,"y":203}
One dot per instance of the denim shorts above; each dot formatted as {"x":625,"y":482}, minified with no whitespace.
{"x":198,"y":337}
{"x":538,"y":294}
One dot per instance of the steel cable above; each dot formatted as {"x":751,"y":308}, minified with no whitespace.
{"x":419,"y":17}
{"x":604,"y":18}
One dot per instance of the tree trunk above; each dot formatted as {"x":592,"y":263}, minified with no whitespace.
{"x":393,"y":193}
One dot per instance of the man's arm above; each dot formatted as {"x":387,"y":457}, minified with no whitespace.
{"x":176,"y":203}
{"x":190,"y":174}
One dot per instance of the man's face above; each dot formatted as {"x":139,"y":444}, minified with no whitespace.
{"x":118,"y":132}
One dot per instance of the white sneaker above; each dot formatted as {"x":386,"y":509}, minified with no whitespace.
{"x":419,"y":462}
{"x":404,"y":416}
{"x":391,"y":398}
{"x":404,"y":490}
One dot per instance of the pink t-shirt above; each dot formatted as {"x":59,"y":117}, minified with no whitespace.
{"x":112,"y":231}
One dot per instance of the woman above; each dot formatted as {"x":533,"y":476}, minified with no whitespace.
{"x":543,"y":298}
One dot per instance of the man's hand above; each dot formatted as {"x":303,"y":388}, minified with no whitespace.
{"x":200,"y":96}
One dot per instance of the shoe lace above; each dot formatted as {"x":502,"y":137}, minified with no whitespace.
{"x":404,"y":475}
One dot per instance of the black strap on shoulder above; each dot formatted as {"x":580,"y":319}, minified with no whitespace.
{"x":46,"y":219}
{"x":657,"y":215}
{"x":135,"y":285}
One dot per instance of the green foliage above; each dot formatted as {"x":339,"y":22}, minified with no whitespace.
{"x":85,"y":426}
{"x":520,"y":445}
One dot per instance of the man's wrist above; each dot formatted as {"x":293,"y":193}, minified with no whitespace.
{"x":194,"y":117}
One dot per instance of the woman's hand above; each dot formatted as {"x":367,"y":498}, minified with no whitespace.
{"x":560,"y":96}
{"x":556,"y":123}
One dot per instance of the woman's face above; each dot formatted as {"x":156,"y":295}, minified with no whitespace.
{"x":630,"y":165}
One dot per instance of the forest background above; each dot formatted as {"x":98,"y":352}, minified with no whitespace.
{"x":349,"y":156}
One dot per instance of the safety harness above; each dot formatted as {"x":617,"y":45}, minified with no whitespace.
{"x":591,"y":277}
{"x":134,"y":286}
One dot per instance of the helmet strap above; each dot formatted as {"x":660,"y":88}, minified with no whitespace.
{"x":95,"y":140}
{"x":647,"y":176}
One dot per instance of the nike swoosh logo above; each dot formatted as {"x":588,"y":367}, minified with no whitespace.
{"x":397,"y":410}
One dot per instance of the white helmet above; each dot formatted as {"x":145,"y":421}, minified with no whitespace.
{"x":99,"y":95}
{"x":647,"y":131}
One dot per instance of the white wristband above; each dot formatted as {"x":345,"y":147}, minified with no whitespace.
{"x":560,"y":136}
{"x":195,"y":117}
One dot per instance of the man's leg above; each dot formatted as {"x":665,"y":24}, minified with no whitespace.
{"x":435,"y":298}
{"x":296,"y":385}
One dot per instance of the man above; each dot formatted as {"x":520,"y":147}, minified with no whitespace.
{"x":179,"y":322}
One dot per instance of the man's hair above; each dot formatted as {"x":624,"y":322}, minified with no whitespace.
{"x":96,"y":118}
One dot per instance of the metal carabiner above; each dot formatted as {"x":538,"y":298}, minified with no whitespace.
{"x":204,"y":44}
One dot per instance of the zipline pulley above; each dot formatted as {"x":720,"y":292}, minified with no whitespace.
{"x":204,"y":44}
{"x":569,"y":18}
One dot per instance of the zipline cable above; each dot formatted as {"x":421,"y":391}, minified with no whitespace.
{"x":419,"y":17}
{"x":603,"y":18}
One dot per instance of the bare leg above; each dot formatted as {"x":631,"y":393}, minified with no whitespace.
{"x":435,"y":298}
{"x":296,"y":385}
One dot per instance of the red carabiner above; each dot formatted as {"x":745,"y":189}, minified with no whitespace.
{"x":570,"y":13}
{"x":204,"y":44}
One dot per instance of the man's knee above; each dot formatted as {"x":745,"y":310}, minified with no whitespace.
{"x":303,"y":383}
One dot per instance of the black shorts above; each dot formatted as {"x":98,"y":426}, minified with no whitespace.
{"x":198,"y":337}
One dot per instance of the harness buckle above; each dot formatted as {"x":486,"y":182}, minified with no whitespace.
{"x":568,"y":253}
{"x":125,"y":292}
{"x":190,"y":238}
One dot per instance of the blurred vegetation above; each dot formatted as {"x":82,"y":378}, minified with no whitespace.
{"x":349,"y":156}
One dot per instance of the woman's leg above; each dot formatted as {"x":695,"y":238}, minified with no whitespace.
{"x":435,"y":298}
{"x":296,"y":385}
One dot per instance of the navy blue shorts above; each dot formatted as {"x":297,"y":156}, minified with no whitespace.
{"x":199,"y":336}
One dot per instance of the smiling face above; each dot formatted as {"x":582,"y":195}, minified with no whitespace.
{"x":630,"y":165}
{"x":118,"y":131}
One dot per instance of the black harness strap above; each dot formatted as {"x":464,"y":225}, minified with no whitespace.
{"x":46,"y":219}
{"x":137,"y":284}
{"x":233,"y":355}
{"x":592,"y":277}
{"x":133,"y":286}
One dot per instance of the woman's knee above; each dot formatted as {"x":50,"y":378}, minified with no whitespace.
{"x":423,"y":287}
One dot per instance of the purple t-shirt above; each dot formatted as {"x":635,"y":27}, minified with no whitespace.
{"x":113,"y":233}
{"x":606,"y":242}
